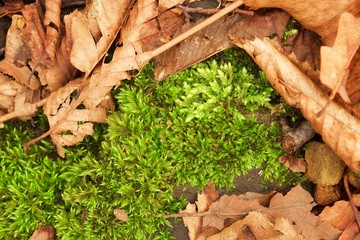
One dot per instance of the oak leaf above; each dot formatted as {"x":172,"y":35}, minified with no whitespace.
{"x":296,"y":206}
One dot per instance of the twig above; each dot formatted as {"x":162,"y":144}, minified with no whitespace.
{"x":73,"y":4}
{"x":294,"y":138}
{"x":202,"y":214}
{"x":240,"y":214}
{"x":12,"y":115}
{"x":211,"y":11}
{"x":352,"y":204}
{"x":194,"y":30}
{"x":2,"y":52}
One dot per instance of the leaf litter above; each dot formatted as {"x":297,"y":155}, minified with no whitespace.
{"x":57,"y":63}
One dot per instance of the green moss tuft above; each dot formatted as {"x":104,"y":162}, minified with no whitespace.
{"x":197,"y":126}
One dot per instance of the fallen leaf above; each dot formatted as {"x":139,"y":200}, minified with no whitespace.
{"x":45,"y":232}
{"x":293,"y":163}
{"x":340,"y":215}
{"x":320,"y":16}
{"x":229,"y":207}
{"x":254,"y":226}
{"x":339,"y":129}
{"x":336,"y":59}
{"x":296,"y":206}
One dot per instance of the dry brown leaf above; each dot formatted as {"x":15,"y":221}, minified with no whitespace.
{"x":340,"y":215}
{"x":229,"y":207}
{"x":296,"y":206}
{"x":284,"y":226}
{"x":254,"y":226}
{"x":339,"y":129}
{"x":9,"y":89}
{"x":336,"y":59}
{"x":52,"y":24}
{"x":44,"y":233}
{"x":11,"y":6}
{"x":263,"y":199}
{"x":214,"y":39}
{"x":84,"y":53}
{"x":261,"y":25}
{"x":167,"y":4}
{"x":205,"y":43}
{"x":293,"y":163}
{"x":193,"y":224}
{"x":320,"y":16}
{"x":105,"y":16}
{"x":306,"y":47}
{"x":34,"y":35}
{"x":351,"y":232}
{"x":93,"y":92}
{"x":97,"y":107}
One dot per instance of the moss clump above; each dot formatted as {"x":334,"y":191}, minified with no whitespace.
{"x":194,"y":127}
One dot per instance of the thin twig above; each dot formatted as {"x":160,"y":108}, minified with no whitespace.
{"x":211,"y":11}
{"x":12,"y":114}
{"x":80,"y":3}
{"x":193,"y":30}
{"x":352,"y":204}
{"x":240,"y":214}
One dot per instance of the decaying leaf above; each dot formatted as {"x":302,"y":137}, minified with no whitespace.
{"x":45,"y":232}
{"x":293,"y":163}
{"x":320,"y":16}
{"x":296,"y":206}
{"x":339,"y":129}
{"x":214,"y":39}
{"x":254,"y":226}
{"x":336,"y":59}
{"x":340,"y":215}
{"x":287,"y":217}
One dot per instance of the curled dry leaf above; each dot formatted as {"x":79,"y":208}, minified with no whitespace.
{"x":339,"y":129}
{"x":52,"y":24}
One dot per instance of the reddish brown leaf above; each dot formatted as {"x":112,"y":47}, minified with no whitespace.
{"x":340,"y":215}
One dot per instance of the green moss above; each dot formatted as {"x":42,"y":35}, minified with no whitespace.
{"x":194,"y":127}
